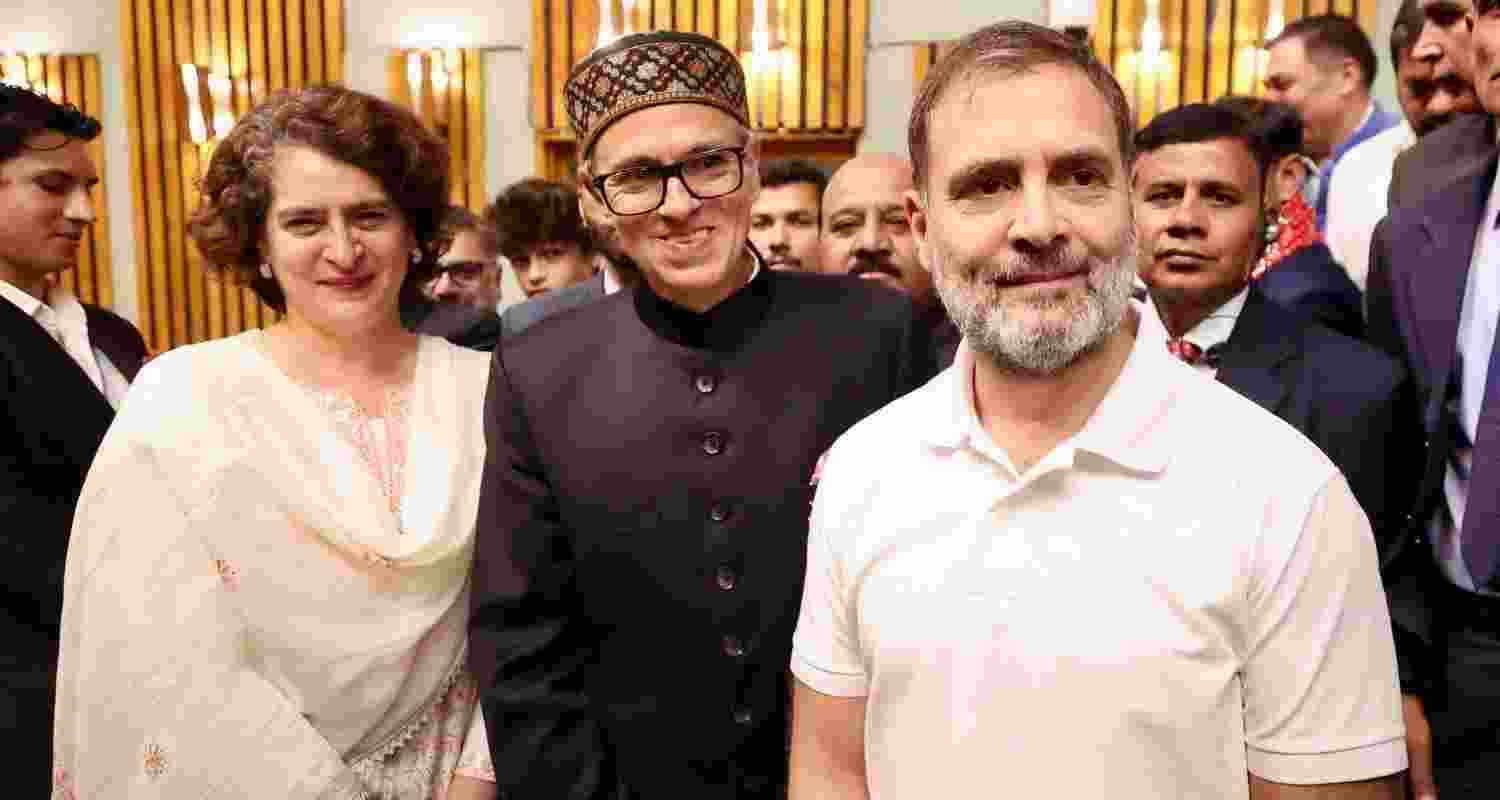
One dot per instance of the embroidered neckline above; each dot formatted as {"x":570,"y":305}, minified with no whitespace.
{"x":357,"y":427}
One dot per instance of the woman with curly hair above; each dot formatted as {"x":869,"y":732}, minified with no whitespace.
{"x":267,"y":585}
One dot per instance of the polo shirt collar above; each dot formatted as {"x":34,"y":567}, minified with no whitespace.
{"x":1127,"y":428}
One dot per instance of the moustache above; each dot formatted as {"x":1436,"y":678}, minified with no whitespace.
{"x":1431,"y":123}
{"x":1019,"y":269}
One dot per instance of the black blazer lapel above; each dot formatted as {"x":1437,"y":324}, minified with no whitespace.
{"x":1259,"y":351}
{"x":51,"y":392}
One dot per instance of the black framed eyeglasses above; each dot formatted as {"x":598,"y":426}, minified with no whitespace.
{"x":641,"y":190}
{"x":461,"y":273}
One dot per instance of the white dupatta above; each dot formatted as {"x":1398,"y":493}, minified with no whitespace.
{"x":243,"y":614}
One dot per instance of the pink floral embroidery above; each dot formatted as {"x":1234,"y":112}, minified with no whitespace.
{"x":62,"y":786}
{"x":155,"y":761}
{"x":228,"y":573}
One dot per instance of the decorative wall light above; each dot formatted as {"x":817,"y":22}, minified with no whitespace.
{"x":210,"y":103}
{"x":15,"y":69}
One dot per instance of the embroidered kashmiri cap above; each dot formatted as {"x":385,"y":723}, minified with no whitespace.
{"x":651,"y":69}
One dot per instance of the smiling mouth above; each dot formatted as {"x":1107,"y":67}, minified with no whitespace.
{"x":687,"y":240}
{"x":1038,"y":278}
{"x":349,"y":283}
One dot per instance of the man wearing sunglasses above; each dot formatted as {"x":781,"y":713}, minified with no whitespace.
{"x":643,"y":520}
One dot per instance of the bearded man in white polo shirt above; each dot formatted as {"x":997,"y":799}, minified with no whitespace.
{"x":1069,"y":566}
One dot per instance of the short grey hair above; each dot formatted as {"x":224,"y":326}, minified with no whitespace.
{"x":1012,"y":48}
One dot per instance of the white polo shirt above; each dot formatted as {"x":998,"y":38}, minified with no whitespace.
{"x":1184,"y":592}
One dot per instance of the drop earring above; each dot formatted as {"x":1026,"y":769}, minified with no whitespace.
{"x":416,"y":256}
{"x":1270,"y":251}
{"x":265,"y":272}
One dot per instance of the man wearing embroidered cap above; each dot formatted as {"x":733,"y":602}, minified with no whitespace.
{"x":644,"y":515}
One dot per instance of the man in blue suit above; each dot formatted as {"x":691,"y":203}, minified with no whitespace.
{"x":1434,"y":303}
{"x":1200,"y":174}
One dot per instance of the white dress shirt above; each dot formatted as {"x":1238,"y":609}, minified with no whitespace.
{"x":1135,"y":599}
{"x":63,"y":318}
{"x":1212,"y":331}
{"x":1357,"y":198}
{"x":1476,"y":336}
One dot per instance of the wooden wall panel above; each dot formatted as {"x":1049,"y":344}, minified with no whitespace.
{"x":454,"y":108}
{"x":261,"y":46}
{"x":74,"y":79}
{"x":813,"y":86}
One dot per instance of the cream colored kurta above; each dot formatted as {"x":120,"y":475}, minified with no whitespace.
{"x":244,"y":614}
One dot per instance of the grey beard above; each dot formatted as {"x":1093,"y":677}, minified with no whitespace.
{"x":1040,"y":348}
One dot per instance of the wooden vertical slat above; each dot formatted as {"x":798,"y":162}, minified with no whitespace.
{"x":814,"y":69}
{"x":312,"y":34}
{"x":474,"y":117}
{"x":729,"y":23}
{"x":585,"y":28}
{"x":54,"y":77}
{"x":458,"y":140}
{"x":640,"y":16}
{"x":791,"y":63}
{"x":1103,"y":32}
{"x":708,"y":23}
{"x":146,"y":164}
{"x":168,"y":77}
{"x":275,"y":46}
{"x":333,"y":44}
{"x":835,"y":75}
{"x":541,"y":56}
{"x":259,"y":68}
{"x":1194,"y":52}
{"x":562,"y":60}
{"x":396,"y":86}
{"x":36,"y":73}
{"x":296,"y":63}
{"x":1369,"y":18}
{"x":208,"y":288}
{"x":859,"y":11}
{"x":683,"y":17}
{"x":1220,"y":51}
{"x":104,"y":294}
{"x":1127,"y":41}
{"x":1250,"y":17}
{"x":661,"y":15}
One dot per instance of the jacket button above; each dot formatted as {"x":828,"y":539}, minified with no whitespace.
{"x":726,"y":579}
{"x":718,"y":512}
{"x":733,"y":647}
{"x":742,"y":716}
{"x":705,"y":384}
{"x":713,"y":443}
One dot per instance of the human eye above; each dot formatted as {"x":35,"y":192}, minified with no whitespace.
{"x":373,"y":218}
{"x":303,"y":226}
{"x":897,"y":221}
{"x":844,"y":227}
{"x":1162,"y":196}
{"x":631,"y":181}
{"x":760,"y":222}
{"x":52,"y":183}
{"x":712,"y":162}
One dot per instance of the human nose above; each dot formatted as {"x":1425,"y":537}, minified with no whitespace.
{"x":1037,"y":225}
{"x":677,"y":201}
{"x":80,"y":206}
{"x":1186,"y":219}
{"x":444,"y":286}
{"x":872,"y":238}
{"x":343,"y":248}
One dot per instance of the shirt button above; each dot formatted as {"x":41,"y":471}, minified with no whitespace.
{"x":733,"y":647}
{"x":726,"y":578}
{"x":705,"y":384}
{"x":742,"y":716}
{"x":718,"y":512}
{"x":713,"y":443}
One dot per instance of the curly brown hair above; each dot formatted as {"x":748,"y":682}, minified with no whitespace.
{"x":384,"y":140}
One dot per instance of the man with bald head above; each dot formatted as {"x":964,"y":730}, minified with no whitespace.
{"x":866,"y":233}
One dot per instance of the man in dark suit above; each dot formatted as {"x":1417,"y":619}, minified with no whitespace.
{"x":1442,"y":155}
{"x":458,"y":304}
{"x":1200,"y":172}
{"x":642,"y":525}
{"x":1432,"y":303}
{"x":64,"y":367}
